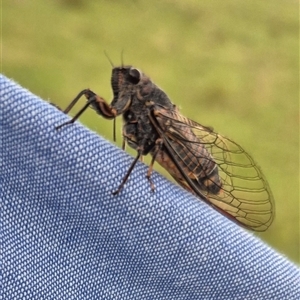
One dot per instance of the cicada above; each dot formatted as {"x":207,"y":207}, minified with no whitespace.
{"x":207,"y":164}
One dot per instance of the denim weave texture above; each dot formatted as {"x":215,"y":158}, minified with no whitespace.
{"x":65,"y":236}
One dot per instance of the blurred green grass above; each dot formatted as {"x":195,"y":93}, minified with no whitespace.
{"x":229,"y":64}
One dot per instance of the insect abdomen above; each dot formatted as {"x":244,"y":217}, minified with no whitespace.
{"x":202,"y":170}
{"x":201,"y":167}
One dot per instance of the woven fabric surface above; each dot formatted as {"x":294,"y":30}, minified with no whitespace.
{"x":65,"y":236}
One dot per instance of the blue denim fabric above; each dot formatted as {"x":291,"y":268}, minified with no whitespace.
{"x":65,"y":236}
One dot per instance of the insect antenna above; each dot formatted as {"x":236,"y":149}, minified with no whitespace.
{"x":111,"y":63}
{"x":122,"y":58}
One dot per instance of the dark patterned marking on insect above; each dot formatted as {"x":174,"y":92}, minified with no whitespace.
{"x":207,"y":164}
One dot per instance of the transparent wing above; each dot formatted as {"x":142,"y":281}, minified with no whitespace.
{"x":243,"y":192}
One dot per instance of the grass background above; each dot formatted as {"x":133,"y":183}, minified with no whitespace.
{"x":232,"y":64}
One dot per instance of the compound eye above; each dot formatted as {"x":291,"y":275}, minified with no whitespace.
{"x":134,"y":75}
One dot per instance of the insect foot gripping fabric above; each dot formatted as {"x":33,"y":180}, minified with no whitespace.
{"x":65,"y":236}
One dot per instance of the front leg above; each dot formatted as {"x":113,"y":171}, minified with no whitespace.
{"x":97,"y":102}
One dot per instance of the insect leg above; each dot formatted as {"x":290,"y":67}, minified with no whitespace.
{"x":91,"y":100}
{"x":98,"y":103}
{"x":127,"y":174}
{"x":159,"y":143}
{"x":56,"y":106}
{"x":88,"y":93}
{"x":123,"y":144}
{"x":114,"y":132}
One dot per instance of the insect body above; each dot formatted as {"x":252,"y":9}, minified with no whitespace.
{"x":203,"y":162}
